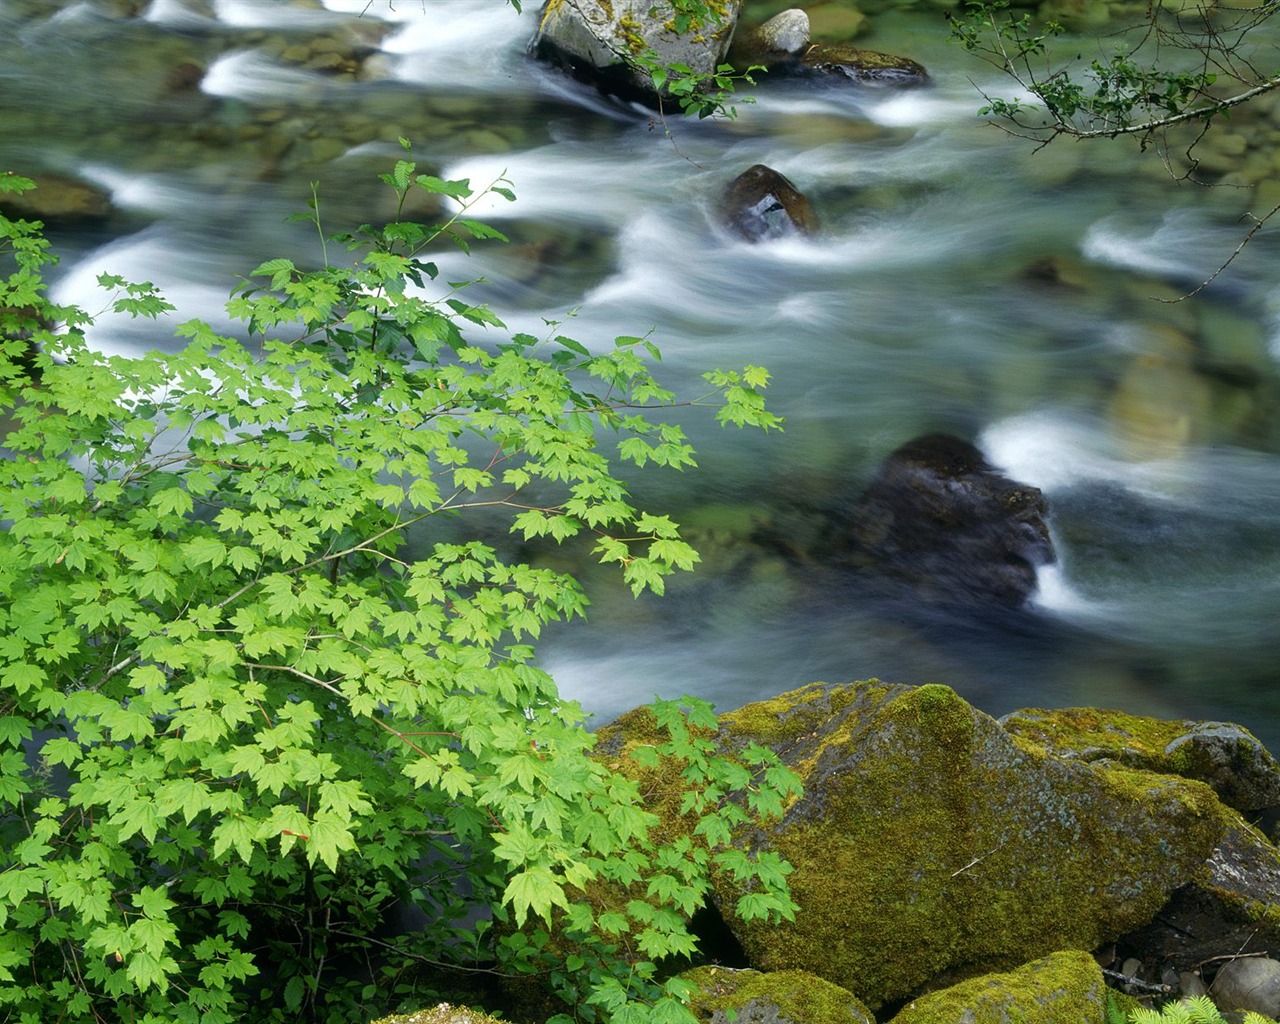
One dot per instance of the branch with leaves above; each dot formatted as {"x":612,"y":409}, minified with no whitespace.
{"x":258,"y":682}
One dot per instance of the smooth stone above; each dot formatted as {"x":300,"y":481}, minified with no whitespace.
{"x":1249,"y":983}
{"x":786,"y":32}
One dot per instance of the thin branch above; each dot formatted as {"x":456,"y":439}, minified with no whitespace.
{"x":1259,"y":222}
{"x":1165,"y":122}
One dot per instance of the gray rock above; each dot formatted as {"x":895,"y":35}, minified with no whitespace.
{"x":784,"y":33}
{"x":593,"y":40}
{"x":1191,"y":985}
{"x":1249,"y":983}
{"x":1227,"y":908}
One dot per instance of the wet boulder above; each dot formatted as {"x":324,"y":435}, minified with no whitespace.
{"x":595,"y":39}
{"x":928,"y":840}
{"x":942,"y":522}
{"x":864,"y":67}
{"x":1064,"y":986}
{"x":761,"y":204}
{"x":1250,"y":984}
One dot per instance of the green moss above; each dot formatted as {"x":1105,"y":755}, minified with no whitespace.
{"x":1225,"y":756}
{"x":1092,"y":733}
{"x":793,"y":716}
{"x":1063,"y":988}
{"x":796,"y":996}
{"x":441,"y":1014}
{"x":931,"y":840}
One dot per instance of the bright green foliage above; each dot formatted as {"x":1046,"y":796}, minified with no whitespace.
{"x":257,"y":683}
{"x":1197,"y":1010}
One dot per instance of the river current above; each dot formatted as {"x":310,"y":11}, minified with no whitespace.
{"x":962,"y":282}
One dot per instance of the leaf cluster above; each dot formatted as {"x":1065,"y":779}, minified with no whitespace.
{"x":1154,"y":76}
{"x":259,"y":681}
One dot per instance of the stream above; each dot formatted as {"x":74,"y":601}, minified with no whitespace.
{"x":962,"y":282}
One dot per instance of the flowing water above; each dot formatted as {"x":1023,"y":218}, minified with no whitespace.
{"x":962,"y":282}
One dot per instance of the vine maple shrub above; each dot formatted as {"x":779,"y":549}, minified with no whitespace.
{"x":252,"y":694}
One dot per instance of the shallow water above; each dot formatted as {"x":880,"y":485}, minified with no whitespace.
{"x":961,"y":283}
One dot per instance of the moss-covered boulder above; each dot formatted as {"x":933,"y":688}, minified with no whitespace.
{"x":442,"y":1013}
{"x":1228,"y":757}
{"x":930,"y":839}
{"x":725,"y":996}
{"x":1062,"y":988}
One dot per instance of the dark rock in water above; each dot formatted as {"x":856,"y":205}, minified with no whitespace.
{"x":760,"y":204}
{"x":867,"y":67}
{"x":941,"y":520}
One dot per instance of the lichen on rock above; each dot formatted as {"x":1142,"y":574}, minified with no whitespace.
{"x":597,"y":41}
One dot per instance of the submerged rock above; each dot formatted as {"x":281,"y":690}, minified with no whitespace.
{"x":727,"y":996}
{"x":593,"y":39}
{"x":760,"y":203}
{"x":1065,"y":987}
{"x":930,"y":839}
{"x":58,"y":198}
{"x":942,"y":521}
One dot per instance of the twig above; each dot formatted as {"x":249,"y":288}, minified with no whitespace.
{"x":1137,"y":983}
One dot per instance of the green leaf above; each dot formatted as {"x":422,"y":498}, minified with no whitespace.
{"x":534,"y":891}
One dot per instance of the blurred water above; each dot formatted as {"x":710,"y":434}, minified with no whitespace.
{"x":961,"y":282}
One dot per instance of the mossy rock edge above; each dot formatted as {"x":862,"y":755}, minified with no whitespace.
{"x":1062,"y":988}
